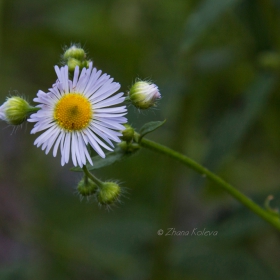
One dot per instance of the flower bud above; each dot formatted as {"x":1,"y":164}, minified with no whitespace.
{"x":72,"y":63}
{"x":75,"y":56}
{"x":123,"y":145}
{"x":15,"y":110}
{"x":74,"y":52}
{"x":108,"y":193}
{"x":129,"y":147}
{"x":127,"y":133}
{"x":144,"y":95}
{"x":87,"y":187}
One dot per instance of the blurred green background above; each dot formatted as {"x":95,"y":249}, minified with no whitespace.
{"x":217,"y":65}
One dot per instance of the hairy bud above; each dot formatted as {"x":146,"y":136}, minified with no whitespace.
{"x":15,"y":110}
{"x":108,"y":193}
{"x":87,"y":187}
{"x":75,"y":56}
{"x":74,"y":52}
{"x":144,"y":95}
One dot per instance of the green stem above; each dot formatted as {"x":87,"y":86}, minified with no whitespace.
{"x":32,"y":109}
{"x":92,"y":177}
{"x":272,"y":219}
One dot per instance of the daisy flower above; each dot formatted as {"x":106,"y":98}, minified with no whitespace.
{"x":76,"y":113}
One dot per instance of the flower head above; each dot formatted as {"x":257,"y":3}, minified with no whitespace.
{"x":15,"y":110}
{"x":76,"y":113}
{"x":144,"y":95}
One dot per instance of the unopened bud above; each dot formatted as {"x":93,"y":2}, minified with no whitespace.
{"x":144,"y":95}
{"x":108,"y":193}
{"x":129,"y":147}
{"x":15,"y":110}
{"x":74,"y":52}
{"x":127,"y":133}
{"x":123,"y":145}
{"x":72,"y":63}
{"x":75,"y":56}
{"x":87,"y":187}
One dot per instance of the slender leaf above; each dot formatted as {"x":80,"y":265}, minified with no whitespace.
{"x":110,"y":158}
{"x":150,"y":127}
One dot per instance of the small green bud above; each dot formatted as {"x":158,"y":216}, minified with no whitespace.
{"x":123,"y":145}
{"x":108,"y":193}
{"x":127,"y":133}
{"x":85,"y":63}
{"x":87,"y":187}
{"x":72,"y":63}
{"x":75,"y":56}
{"x":133,"y":147}
{"x":129,"y":147}
{"x":74,"y":52}
{"x":15,"y":110}
{"x":144,"y":95}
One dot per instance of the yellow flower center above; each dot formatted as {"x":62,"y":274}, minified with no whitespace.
{"x":73,"y":112}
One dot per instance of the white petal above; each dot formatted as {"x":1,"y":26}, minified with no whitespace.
{"x":94,"y":144}
{"x":76,"y":76}
{"x":82,"y":80}
{"x":42,"y":126}
{"x":110,"y":133}
{"x":73,"y":149}
{"x":99,"y":141}
{"x":101,"y":115}
{"x":62,"y":148}
{"x":92,"y":80}
{"x":102,"y":135}
{"x":87,"y":154}
{"x":119,"y":109}
{"x":57,"y":144}
{"x":81,"y":148}
{"x":66,"y":150}
{"x":52,"y":140}
{"x":78,"y":152}
{"x":116,"y":99}
{"x":110,"y":123}
{"x":58,"y":73}
{"x":98,"y":83}
{"x":44,"y":137}
{"x":105,"y":91}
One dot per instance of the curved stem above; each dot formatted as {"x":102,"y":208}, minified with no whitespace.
{"x":92,"y":177}
{"x":265,"y":215}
